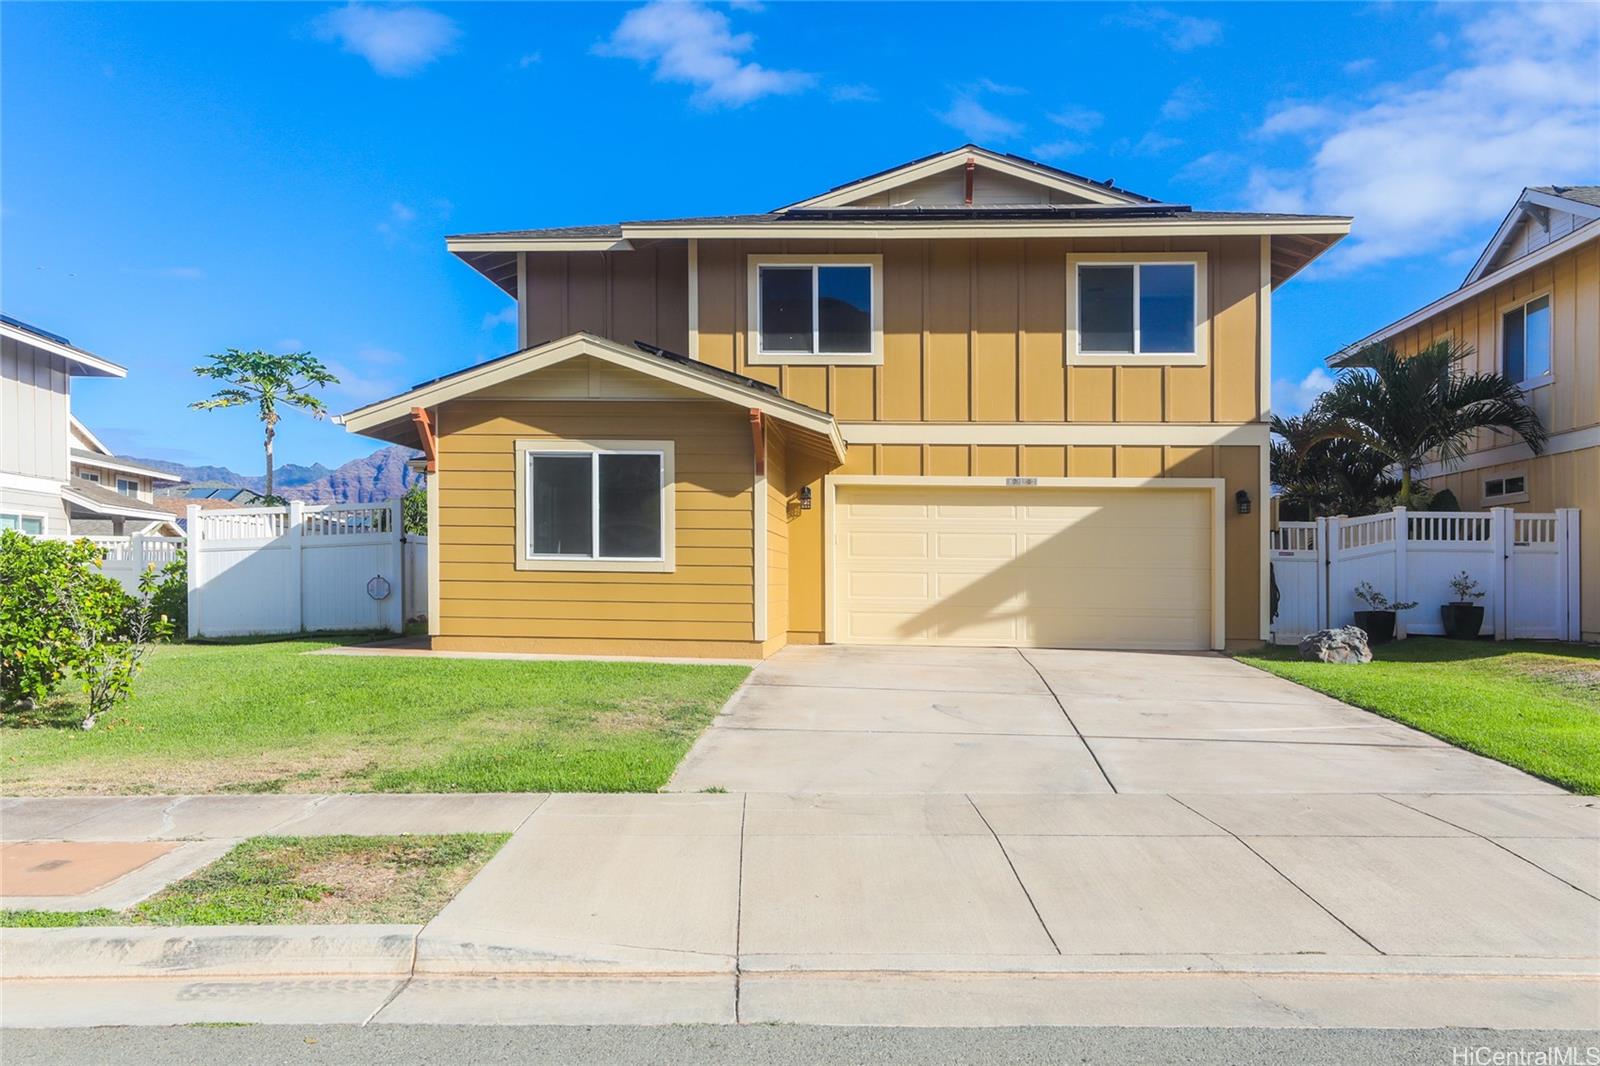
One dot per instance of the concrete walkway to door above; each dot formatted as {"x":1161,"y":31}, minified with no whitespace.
{"x":854,"y":720}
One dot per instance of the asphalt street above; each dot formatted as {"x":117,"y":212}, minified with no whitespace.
{"x":787,"y":1045}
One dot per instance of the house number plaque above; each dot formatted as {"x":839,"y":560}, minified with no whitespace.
{"x":1010,"y":481}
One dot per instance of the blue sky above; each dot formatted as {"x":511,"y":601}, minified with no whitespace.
{"x":175,"y":179}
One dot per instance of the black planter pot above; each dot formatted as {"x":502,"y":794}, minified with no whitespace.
{"x":1378,"y":624}
{"x":1462,"y":621}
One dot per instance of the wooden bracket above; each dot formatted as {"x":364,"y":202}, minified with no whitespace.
{"x":758,"y":437}
{"x":430,"y":446}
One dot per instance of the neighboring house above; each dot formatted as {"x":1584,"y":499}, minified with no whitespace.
{"x":178,"y":508}
{"x":227,"y":495}
{"x":94,"y":463}
{"x":1530,"y":309}
{"x":972,"y":400}
{"x":43,"y":448}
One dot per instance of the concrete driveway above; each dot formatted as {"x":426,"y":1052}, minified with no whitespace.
{"x":853,"y":720}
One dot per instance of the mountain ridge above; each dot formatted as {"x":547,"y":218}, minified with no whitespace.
{"x":383,"y":475}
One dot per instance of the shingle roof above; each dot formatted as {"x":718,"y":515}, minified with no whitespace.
{"x":1584,"y":194}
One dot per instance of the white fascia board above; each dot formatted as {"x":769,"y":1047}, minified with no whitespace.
{"x":905,"y":175}
{"x":92,"y":364}
{"x":1575,"y":440}
{"x":88,"y":436}
{"x":538,"y":244}
{"x":1477,"y":288}
{"x":111,"y":462}
{"x":1561,"y":203}
{"x":994,"y":229}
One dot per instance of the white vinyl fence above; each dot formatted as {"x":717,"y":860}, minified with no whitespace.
{"x":127,"y":558}
{"x":414,"y":568}
{"x":1526,"y":564}
{"x":300,"y":568}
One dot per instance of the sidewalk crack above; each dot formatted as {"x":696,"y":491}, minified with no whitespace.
{"x":405,"y":982}
{"x":738,"y":915}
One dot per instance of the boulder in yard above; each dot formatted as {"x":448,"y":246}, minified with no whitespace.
{"x":1346,"y":645}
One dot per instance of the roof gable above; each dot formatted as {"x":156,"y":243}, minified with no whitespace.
{"x":941,"y":180}
{"x":1541,"y":214}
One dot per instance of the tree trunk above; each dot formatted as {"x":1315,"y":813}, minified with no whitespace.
{"x":269,"y":436}
{"x":1405,"y":486}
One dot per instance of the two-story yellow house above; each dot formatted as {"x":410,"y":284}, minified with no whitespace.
{"x":1530,"y":309}
{"x":971,"y":400}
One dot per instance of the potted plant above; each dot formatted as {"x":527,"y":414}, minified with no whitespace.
{"x":1463,"y":618}
{"x":1378,"y":618}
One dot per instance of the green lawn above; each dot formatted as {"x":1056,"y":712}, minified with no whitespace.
{"x":1533,"y":705}
{"x":264,"y":717}
{"x":304,"y":881}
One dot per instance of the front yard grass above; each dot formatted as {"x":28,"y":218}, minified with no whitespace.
{"x":264,"y":717}
{"x":1530,"y":704}
{"x":304,"y":881}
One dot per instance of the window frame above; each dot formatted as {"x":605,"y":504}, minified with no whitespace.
{"x":1505,"y":497}
{"x":43,"y":519}
{"x":91,"y":476}
{"x":1202,"y":320}
{"x":756,"y":356}
{"x":133,"y":482}
{"x":1527,"y":383}
{"x":527,"y":560}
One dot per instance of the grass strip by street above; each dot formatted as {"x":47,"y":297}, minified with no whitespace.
{"x":330,"y":880}
{"x":264,"y":717}
{"x":1530,"y":704}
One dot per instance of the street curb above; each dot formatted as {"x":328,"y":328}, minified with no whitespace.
{"x":213,"y":951}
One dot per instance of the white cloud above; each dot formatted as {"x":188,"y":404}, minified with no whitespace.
{"x":397,"y":41}
{"x":400,"y":217}
{"x":1360,"y":66}
{"x":1077,"y":119}
{"x":854,"y":94}
{"x":976,"y":122}
{"x":529,"y":60}
{"x":1182,"y":33}
{"x":368,"y":375}
{"x":1297,"y":118}
{"x":1186,"y":101}
{"x":1209,"y":167}
{"x":505,"y":317}
{"x":1295,"y":397}
{"x":693,"y":44}
{"x":1154,"y":143}
{"x":1420,"y":164}
{"x":1059,"y":149}
{"x":989,"y":85}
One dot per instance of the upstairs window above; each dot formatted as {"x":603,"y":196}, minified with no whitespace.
{"x":595,"y":506}
{"x":1525,"y":341}
{"x":127,"y":486}
{"x":823,"y":310}
{"x":1126,"y":310}
{"x":89,"y":475}
{"x":1512,"y":488}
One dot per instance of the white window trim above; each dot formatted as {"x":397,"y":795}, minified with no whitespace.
{"x":133,"y":481}
{"x":44,"y":522}
{"x":525,"y":560}
{"x":754,"y":356}
{"x":91,"y":476}
{"x":1529,"y":384}
{"x":1202,"y":319}
{"x":1506,"y":497}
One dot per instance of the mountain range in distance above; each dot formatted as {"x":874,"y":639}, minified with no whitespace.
{"x":383,"y":475}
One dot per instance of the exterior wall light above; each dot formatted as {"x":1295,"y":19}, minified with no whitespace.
{"x":1241,"y":500}
{"x":805,"y":498}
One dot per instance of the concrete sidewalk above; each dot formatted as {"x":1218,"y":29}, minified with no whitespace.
{"x":924,"y":909}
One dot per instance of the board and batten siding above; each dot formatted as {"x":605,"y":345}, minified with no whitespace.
{"x":35,"y":412}
{"x":623,"y":296}
{"x":704,"y":607}
{"x":974,"y":332}
{"x":777,"y":504}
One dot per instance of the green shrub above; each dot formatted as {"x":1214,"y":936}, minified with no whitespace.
{"x":170,"y":600}
{"x":37,"y":645}
{"x":1443,"y":500}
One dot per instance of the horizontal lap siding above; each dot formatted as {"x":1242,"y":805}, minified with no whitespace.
{"x":708,"y":596}
{"x":974,"y":332}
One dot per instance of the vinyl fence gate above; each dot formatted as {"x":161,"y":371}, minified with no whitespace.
{"x":300,"y":568}
{"x":1526,"y":565}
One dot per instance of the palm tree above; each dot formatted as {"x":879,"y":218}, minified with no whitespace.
{"x":1411,"y":409}
{"x":267,"y":381}
{"x":1323,"y":475}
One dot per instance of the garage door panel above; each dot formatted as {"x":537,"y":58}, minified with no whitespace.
{"x":1040,"y":567}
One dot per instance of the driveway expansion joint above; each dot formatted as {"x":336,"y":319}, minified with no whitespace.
{"x":1068,"y":716}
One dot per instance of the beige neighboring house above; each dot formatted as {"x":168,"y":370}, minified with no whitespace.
{"x":56,"y":478}
{"x":1530,"y":309}
{"x":970,"y":400}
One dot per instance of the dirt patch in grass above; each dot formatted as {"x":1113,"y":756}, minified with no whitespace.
{"x":332,"y":880}
{"x":1579,"y":678}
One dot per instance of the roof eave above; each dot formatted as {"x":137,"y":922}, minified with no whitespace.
{"x":81,"y":363}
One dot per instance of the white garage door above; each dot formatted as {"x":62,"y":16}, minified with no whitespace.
{"x":1028,"y":567}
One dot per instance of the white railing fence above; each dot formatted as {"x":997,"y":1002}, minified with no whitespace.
{"x":1526,"y":565}
{"x":127,"y":558}
{"x":300,"y":568}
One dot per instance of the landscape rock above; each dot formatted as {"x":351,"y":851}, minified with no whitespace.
{"x":1346,"y":645}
